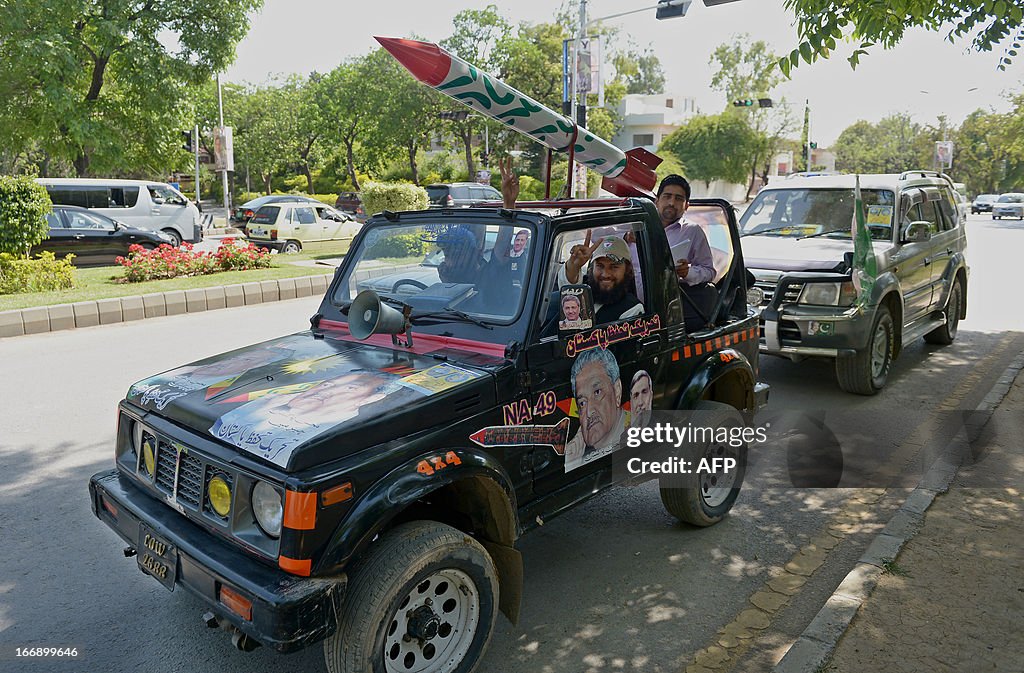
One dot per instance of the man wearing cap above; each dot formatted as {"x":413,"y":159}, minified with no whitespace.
{"x":611,"y":277}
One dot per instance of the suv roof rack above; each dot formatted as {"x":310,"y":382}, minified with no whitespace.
{"x":924,"y":173}
{"x":564,"y":204}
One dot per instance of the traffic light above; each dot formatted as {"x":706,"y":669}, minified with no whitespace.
{"x":187,"y":145}
{"x":457,"y":115}
{"x":764,"y":102}
{"x":743,"y":102}
{"x":814,"y":145}
{"x":670,"y":9}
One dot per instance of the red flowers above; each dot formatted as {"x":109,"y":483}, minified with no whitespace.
{"x":170,"y":262}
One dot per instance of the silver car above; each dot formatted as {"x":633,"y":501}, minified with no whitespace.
{"x":1009,"y":205}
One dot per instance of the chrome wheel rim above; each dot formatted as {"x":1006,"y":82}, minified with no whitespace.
{"x":434,"y":626}
{"x":715,"y":487}
{"x":879,"y":350}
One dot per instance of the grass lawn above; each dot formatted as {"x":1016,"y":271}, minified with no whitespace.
{"x":97,"y":283}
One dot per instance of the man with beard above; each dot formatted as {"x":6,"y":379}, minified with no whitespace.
{"x":611,"y":277}
{"x":597,"y":387}
{"x":641,"y":399}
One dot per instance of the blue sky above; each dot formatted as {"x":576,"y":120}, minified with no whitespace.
{"x":298,"y":36}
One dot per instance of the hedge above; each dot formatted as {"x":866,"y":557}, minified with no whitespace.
{"x":35,"y":275}
{"x":394,"y":196}
{"x":24,"y":204}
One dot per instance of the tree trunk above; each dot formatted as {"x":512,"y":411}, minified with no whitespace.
{"x":81,"y":163}
{"x":266,"y":182}
{"x":351,"y":163}
{"x":412,"y":162}
{"x":309,"y":177}
{"x":753,"y":177}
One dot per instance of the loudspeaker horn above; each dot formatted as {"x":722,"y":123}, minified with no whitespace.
{"x":368,"y":315}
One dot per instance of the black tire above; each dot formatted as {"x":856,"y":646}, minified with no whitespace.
{"x":291,"y":247}
{"x":946,"y":333}
{"x":410,"y":564}
{"x":866,"y":372}
{"x":175,"y":238}
{"x":995,"y":217}
{"x":707,"y":503}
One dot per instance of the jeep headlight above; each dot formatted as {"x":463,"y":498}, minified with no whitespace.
{"x":149,"y":454}
{"x":828,"y":294}
{"x":219,"y":494}
{"x":267,"y":508}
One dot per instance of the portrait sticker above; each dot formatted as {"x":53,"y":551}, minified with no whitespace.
{"x":576,"y":308}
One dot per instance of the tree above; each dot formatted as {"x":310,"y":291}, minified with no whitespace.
{"x":712,"y":147}
{"x":822,"y":22}
{"x":101,"y":82}
{"x":640,"y":71}
{"x":747,"y":69}
{"x":893,"y":145}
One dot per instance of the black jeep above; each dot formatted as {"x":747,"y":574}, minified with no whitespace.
{"x":364,"y":482}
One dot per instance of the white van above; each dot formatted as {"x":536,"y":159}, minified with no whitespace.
{"x":138,"y":203}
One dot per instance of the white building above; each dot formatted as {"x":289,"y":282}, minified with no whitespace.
{"x":648,"y":118}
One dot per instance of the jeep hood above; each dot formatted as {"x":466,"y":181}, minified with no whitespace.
{"x":785,"y":253}
{"x":282,"y":398}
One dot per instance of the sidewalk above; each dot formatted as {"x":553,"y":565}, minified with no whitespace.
{"x":953,"y":598}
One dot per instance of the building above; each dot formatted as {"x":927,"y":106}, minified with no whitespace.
{"x":648,"y":118}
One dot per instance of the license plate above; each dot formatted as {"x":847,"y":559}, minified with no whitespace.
{"x":257,"y":233}
{"x":157,"y":557}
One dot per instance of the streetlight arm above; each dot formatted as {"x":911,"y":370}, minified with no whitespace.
{"x":671,"y":3}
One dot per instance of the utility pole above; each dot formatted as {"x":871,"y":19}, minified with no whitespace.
{"x":807,"y":127}
{"x":195,"y":148}
{"x":224,"y":173}
{"x":581,"y":171}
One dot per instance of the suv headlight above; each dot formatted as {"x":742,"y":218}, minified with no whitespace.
{"x":267,"y":508}
{"x":828,"y":294}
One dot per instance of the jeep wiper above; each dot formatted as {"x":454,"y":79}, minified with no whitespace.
{"x":449,"y":313}
{"x":823,"y":233}
{"x":768,"y":231}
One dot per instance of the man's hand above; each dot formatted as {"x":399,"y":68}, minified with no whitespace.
{"x":682,"y":268}
{"x":579,"y":255}
{"x":509,"y":183}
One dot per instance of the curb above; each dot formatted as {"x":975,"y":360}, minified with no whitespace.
{"x":39,"y":319}
{"x":811,"y":651}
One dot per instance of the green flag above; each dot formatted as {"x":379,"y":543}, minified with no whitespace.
{"x":865,"y":267}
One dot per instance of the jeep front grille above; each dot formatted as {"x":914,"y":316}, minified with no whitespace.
{"x":166,"y":466}
{"x":190,"y":476}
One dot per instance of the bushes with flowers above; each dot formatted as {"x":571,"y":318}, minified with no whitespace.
{"x":170,"y":262}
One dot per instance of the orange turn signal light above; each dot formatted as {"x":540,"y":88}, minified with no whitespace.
{"x":336,"y":494}
{"x":236,"y":602}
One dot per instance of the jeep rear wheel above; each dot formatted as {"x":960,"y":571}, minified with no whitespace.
{"x":715,"y":493}
{"x":865,"y":372}
{"x":946,"y":333}
{"x":423,"y":600}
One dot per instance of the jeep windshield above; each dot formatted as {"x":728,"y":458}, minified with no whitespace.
{"x":798,"y":213}
{"x":453,"y":272}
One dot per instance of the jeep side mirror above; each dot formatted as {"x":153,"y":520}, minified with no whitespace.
{"x":916,"y":232}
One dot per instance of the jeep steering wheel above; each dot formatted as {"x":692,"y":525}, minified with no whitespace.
{"x":408,"y":281}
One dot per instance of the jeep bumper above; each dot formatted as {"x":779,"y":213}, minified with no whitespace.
{"x":288,"y":612}
{"x":800,"y":330}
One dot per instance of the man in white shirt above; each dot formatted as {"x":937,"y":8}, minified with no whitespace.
{"x":673,"y":199}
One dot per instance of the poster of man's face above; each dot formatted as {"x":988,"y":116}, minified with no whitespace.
{"x":576,"y":309}
{"x":272,"y":426}
{"x":597,"y":387}
{"x":641,"y":399}
{"x":519,"y":243}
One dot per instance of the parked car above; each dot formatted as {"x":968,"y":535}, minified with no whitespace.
{"x":155,"y":206}
{"x":244,"y":212}
{"x":94,"y":238}
{"x":983,"y":203}
{"x":798,"y":245}
{"x":286,"y":225}
{"x":351,"y":203}
{"x":1009,"y":205}
{"x":364,"y":482}
{"x":461,"y":194}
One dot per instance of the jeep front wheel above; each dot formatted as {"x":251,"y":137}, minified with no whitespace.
{"x":715,"y":491}
{"x":865,"y":372}
{"x":423,"y":600}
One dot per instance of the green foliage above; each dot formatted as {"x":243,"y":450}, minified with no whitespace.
{"x":893,"y":145}
{"x":397,"y":246}
{"x":102,"y":84}
{"x":24,"y":204}
{"x":822,"y":22}
{"x":712,"y":147}
{"x":394,"y":196}
{"x":641,"y":72}
{"x":35,"y":275}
